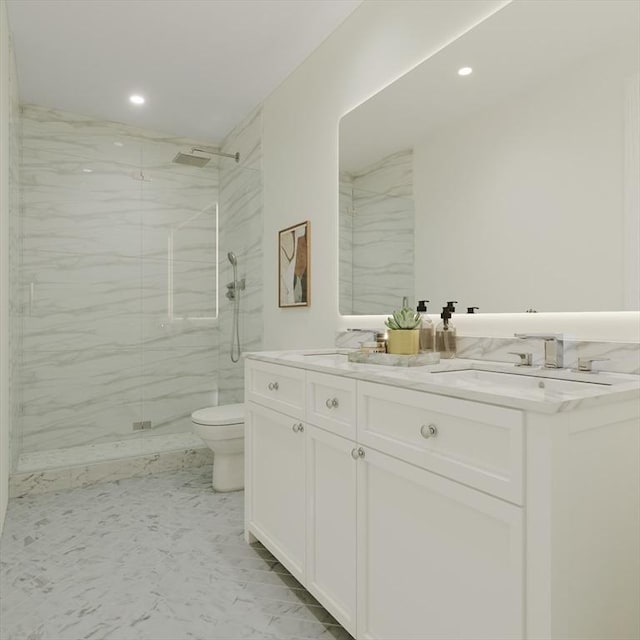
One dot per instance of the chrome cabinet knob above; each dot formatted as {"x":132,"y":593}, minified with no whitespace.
{"x":357,"y":453}
{"x":298,"y":427}
{"x":428,"y":431}
{"x":273,"y":386}
{"x":332,"y":403}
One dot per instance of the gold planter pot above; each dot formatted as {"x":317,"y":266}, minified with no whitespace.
{"x":404,"y":341}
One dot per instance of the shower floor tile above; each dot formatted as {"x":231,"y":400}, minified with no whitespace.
{"x":146,"y":559}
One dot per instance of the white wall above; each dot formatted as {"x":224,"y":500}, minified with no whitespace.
{"x":520,"y":205}
{"x":378,"y":43}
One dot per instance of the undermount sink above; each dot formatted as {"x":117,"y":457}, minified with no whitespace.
{"x":560,"y":381}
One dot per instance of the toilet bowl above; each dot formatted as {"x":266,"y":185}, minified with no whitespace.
{"x":222,"y":429}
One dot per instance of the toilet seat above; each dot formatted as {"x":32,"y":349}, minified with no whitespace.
{"x":219,"y":416}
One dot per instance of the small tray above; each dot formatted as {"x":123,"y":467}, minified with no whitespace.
{"x":393,"y":360}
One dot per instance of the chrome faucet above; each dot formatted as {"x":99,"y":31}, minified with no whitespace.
{"x":553,"y":348}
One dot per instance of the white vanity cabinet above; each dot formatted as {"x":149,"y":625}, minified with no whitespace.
{"x":417,"y":515}
{"x":332,"y":465}
{"x":436,"y":559}
{"x":300,"y":480}
{"x":275,"y":483}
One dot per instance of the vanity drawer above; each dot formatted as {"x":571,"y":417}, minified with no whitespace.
{"x":477,"y":444}
{"x":331,"y":403}
{"x":275,"y":386}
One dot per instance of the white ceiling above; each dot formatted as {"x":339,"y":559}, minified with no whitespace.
{"x":201,"y":64}
{"x":523,"y":44}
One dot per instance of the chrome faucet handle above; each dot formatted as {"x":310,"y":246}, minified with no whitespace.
{"x":553,"y":347}
{"x":585,"y":364}
{"x":525,"y":358}
{"x":554,"y":352}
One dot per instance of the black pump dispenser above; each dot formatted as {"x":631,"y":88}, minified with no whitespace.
{"x":450,"y":305}
{"x":472,"y":309}
{"x":427,"y":334}
{"x":446,"y":333}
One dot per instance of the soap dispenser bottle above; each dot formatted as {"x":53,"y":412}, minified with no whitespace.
{"x":427,"y":335}
{"x":446,"y":334}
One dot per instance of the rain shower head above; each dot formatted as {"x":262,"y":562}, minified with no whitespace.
{"x":190,"y":159}
{"x":193,"y":160}
{"x":232,"y":258}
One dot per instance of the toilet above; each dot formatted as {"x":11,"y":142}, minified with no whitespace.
{"x":222,"y":429}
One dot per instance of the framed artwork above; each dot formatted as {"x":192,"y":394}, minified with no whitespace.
{"x":293,"y":266}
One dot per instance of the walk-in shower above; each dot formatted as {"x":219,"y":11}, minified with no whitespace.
{"x":233,"y":293}
{"x":126,"y":335}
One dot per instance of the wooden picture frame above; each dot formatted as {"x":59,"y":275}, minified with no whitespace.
{"x":294,"y":251}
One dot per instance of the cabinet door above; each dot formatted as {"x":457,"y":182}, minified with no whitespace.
{"x":436,"y":559}
{"x":331,"y":524}
{"x":275,"y":482}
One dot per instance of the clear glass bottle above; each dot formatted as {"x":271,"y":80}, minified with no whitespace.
{"x":427,"y":334}
{"x":446,"y":335}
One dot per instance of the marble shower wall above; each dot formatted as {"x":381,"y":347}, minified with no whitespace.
{"x":117,"y":282}
{"x":241,"y":231}
{"x":15,"y":260}
{"x":377,"y":236}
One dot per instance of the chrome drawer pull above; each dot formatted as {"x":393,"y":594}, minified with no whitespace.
{"x":332,"y":403}
{"x":430,"y":431}
{"x":297,"y":428}
{"x":357,"y":453}
{"x":273,"y":386}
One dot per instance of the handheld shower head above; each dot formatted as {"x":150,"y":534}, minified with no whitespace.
{"x":232,"y":258}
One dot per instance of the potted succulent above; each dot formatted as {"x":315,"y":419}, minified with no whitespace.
{"x":404,"y":332}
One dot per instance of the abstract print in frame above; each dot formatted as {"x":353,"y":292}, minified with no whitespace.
{"x":293,"y":266}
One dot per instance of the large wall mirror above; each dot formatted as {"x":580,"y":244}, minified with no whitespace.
{"x":512,"y":188}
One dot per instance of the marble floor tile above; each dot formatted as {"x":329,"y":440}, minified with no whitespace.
{"x":147,"y":558}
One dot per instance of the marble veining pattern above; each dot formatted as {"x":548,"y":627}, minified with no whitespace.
{"x":149,"y":558}
{"x":528,"y":394}
{"x":377,"y":235}
{"x":117,"y":285}
{"x":108,"y":470}
{"x":354,"y":338}
{"x":15,"y":258}
{"x":616,"y":357}
{"x":115,"y":450}
{"x":241,"y":231}
{"x":104,"y":344}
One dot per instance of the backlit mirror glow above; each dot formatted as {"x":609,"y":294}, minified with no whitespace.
{"x":516,"y":192}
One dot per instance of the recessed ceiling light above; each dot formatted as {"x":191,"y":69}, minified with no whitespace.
{"x":87,"y":170}
{"x":136,"y":99}
{"x":465,"y":71}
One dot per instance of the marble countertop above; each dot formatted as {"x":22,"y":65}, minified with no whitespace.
{"x":532,"y":389}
